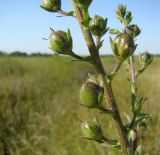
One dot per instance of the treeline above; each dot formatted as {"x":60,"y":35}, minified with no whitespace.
{"x":39,"y":54}
{"x":24,"y":54}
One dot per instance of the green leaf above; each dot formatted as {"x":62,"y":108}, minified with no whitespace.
{"x":111,"y":144}
{"x":59,"y":46}
{"x":114,"y":31}
{"x":143,"y":123}
{"x":111,"y":77}
{"x":137,"y":105}
{"x":120,"y":18}
{"x":130,"y":151}
{"x":139,"y":151}
{"x":114,"y":47}
{"x":128,"y":17}
{"x":133,"y":87}
{"x":140,"y":71}
{"x":71,"y":13}
{"x":140,"y":117}
{"x":69,"y":35}
{"x":121,"y":11}
{"x":100,"y":44}
{"x":100,"y":97}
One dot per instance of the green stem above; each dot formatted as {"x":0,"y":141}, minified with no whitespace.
{"x":110,"y":99}
{"x":133,"y":96}
{"x":117,"y":67}
{"x":76,"y":56}
{"x":132,"y":122}
{"x":63,"y":13}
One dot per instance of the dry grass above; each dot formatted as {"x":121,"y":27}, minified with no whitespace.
{"x":39,"y":106}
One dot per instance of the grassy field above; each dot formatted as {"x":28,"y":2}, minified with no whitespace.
{"x":40,"y":110}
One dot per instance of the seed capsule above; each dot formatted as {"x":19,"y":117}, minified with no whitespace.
{"x":91,"y":129}
{"x":146,"y":58}
{"x":83,"y":3}
{"x":123,"y":46}
{"x":61,"y":42}
{"x":51,"y":5}
{"x":91,"y":95}
{"x":98,"y":26}
{"x":133,"y":30}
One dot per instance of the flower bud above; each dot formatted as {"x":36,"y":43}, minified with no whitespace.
{"x":91,"y":129}
{"x":145,"y":58}
{"x":91,"y":95}
{"x":132,"y":137}
{"x":133,"y":30}
{"x":121,"y":11}
{"x":123,"y":46}
{"x":51,"y":5}
{"x":61,"y":42}
{"x":98,"y":26}
{"x":138,"y":104}
{"x":83,"y":3}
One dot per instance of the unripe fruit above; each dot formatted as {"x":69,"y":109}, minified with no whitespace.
{"x":83,"y":3}
{"x":51,"y":5}
{"x":123,"y":46}
{"x":133,"y":30}
{"x":61,"y":42}
{"x":91,"y":95}
{"x":146,"y":58}
{"x":98,"y":26}
{"x":91,"y":130}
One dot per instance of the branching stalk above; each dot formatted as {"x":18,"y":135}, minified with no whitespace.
{"x":110,"y":99}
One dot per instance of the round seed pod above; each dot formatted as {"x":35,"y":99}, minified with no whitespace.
{"x":61,"y":42}
{"x":90,"y":94}
{"x":51,"y":5}
{"x":123,"y":46}
{"x":98,"y":26}
{"x":92,"y":130}
{"x":146,"y":58}
{"x":133,"y":30}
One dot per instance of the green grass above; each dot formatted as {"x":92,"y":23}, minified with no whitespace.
{"x":40,"y":110}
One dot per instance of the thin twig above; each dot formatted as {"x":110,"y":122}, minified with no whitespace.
{"x":117,"y":67}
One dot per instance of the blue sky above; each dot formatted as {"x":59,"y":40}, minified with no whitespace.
{"x":24,"y":24}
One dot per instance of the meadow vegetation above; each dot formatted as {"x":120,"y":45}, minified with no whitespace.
{"x":40,"y":109}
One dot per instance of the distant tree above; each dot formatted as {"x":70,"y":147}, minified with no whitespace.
{"x":41,"y":54}
{"x":2,"y":53}
{"x":18,"y":53}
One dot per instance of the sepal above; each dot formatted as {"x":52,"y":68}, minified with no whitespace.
{"x":114,"y":31}
{"x":84,"y":4}
{"x":92,"y":130}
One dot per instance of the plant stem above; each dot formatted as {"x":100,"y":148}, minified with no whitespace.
{"x":80,"y":14}
{"x":133,"y":96}
{"x":117,"y":67}
{"x":98,"y":40}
